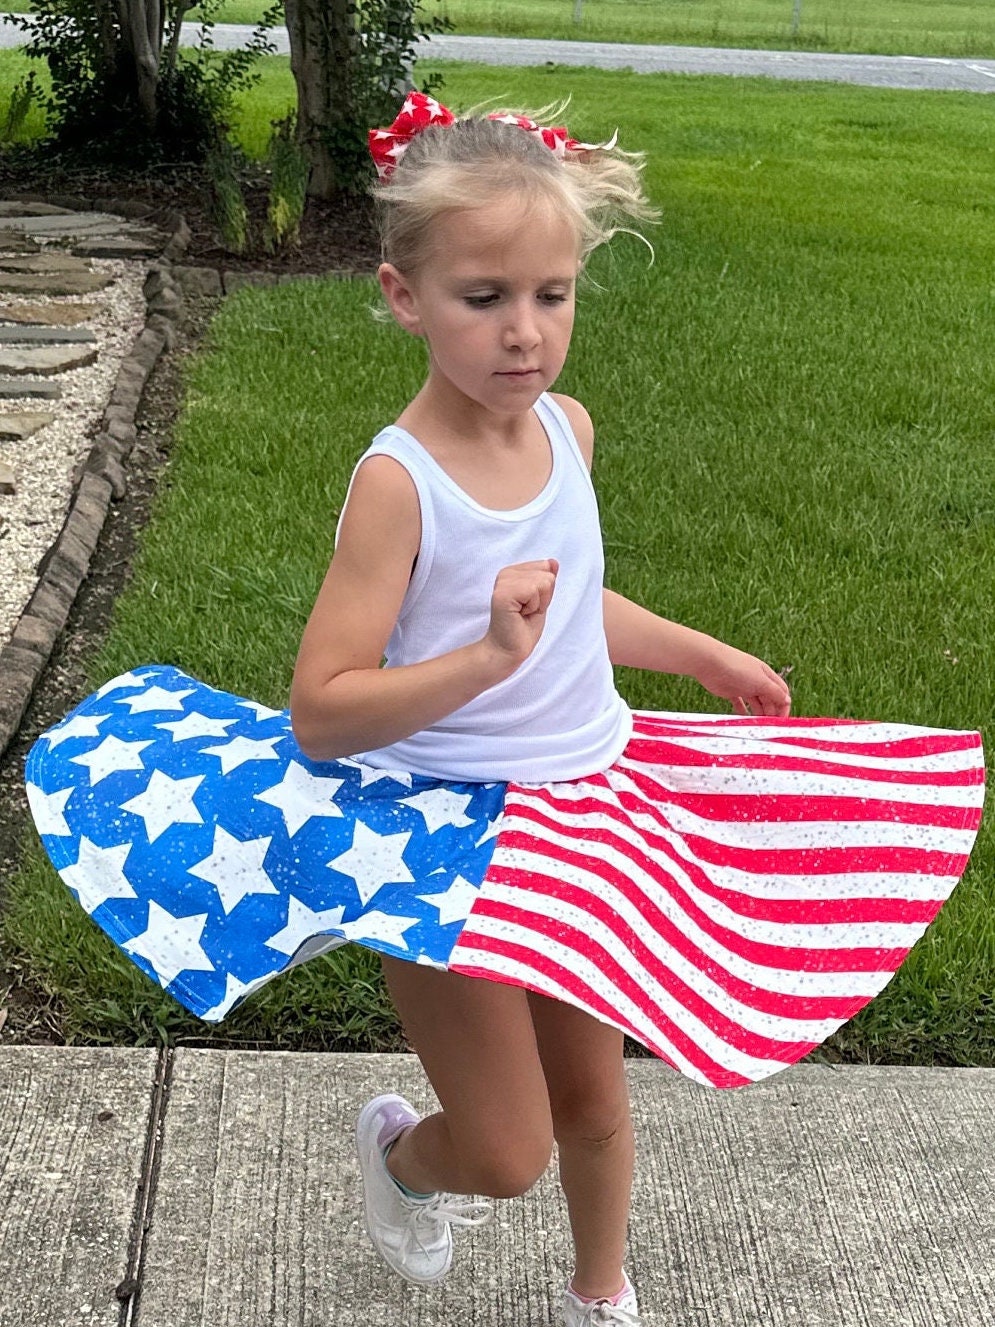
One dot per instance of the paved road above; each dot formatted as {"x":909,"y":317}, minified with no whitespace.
{"x":891,"y":71}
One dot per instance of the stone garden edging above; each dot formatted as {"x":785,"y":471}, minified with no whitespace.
{"x":101,"y":479}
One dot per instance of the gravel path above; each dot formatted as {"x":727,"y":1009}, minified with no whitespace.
{"x":888,"y":71}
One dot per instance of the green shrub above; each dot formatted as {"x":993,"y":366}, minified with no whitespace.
{"x":120,"y":94}
{"x":23,"y":94}
{"x":227,"y":200}
{"x":288,"y":186}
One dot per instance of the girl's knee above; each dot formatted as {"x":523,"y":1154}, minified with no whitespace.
{"x":508,"y":1168}
{"x":595,"y":1123}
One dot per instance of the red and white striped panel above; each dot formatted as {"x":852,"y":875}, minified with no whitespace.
{"x":733,"y":889}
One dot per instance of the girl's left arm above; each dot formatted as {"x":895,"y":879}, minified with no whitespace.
{"x":640,"y":639}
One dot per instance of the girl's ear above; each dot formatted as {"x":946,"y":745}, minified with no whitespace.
{"x":400,"y":298}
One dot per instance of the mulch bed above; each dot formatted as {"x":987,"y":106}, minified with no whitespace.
{"x":336,"y":235}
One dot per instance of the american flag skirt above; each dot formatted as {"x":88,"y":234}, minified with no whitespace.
{"x":729,"y":893}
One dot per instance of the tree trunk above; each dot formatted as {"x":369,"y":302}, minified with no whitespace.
{"x":108,"y":36}
{"x":142,"y":30}
{"x":177,"y":11}
{"x":322,"y":44}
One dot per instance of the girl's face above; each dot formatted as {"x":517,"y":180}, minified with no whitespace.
{"x":494,"y":300}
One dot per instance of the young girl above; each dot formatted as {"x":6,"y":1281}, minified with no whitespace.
{"x":541,"y":870}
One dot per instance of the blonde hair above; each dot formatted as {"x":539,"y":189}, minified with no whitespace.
{"x":469,"y":163}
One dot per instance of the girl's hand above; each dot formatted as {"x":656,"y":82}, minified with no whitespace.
{"x":751,"y":685}
{"x":522,"y":594}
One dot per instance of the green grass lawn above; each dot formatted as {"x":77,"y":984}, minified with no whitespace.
{"x":899,"y":27}
{"x":795,"y":453}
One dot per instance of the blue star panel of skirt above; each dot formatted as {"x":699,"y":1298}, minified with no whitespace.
{"x":197,"y":834}
{"x":728,"y":893}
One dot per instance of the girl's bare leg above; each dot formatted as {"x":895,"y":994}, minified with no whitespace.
{"x":589,"y":1100}
{"x":477,"y":1043}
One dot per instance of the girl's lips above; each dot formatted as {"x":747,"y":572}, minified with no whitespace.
{"x":516,"y":373}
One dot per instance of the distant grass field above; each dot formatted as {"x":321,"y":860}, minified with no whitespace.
{"x":897,"y":27}
{"x":795,"y":425}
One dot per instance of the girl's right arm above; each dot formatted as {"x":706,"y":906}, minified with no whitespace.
{"x":342,"y":700}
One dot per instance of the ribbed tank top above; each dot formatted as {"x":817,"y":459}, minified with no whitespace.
{"x":558,"y":716}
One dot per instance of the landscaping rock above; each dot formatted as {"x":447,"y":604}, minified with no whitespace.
{"x":236,"y":280}
{"x":164,"y":325}
{"x":13,"y":388}
{"x":15,"y":428}
{"x":51,"y":605}
{"x":55,"y":261}
{"x":81,"y":224}
{"x":44,"y":359}
{"x":41,"y":283}
{"x":198,"y":280}
{"x":14,"y":207}
{"x":123,"y":247}
{"x":69,"y":202}
{"x":157,"y":280}
{"x":50,"y":315}
{"x":35,"y":634}
{"x":128,"y":207}
{"x":13,"y":241}
{"x":167,"y":302}
{"x":51,"y":336}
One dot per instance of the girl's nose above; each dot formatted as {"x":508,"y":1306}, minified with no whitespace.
{"x":522,"y":329}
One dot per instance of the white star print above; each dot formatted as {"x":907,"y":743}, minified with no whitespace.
{"x":374,"y":860}
{"x":379,"y":926}
{"x":441,"y":807}
{"x":491,"y":832}
{"x":98,"y":874}
{"x":369,"y":774}
{"x":171,"y":944}
{"x":235,"y":868}
{"x":235,"y":991}
{"x":119,"y":684}
{"x":302,"y":924}
{"x":166,"y":802}
{"x":262,"y":711}
{"x":454,"y":903}
{"x":47,"y":809}
{"x":302,"y":795}
{"x":81,"y":726}
{"x":156,"y":698}
{"x":241,"y":749}
{"x":111,"y":756}
{"x":196,"y":725}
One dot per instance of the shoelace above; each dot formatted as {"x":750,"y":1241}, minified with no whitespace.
{"x":442,"y":1209}
{"x":608,"y":1315}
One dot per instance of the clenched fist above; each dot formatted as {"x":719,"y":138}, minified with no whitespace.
{"x":521,"y":596}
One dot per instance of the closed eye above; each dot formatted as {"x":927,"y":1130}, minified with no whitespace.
{"x":485,"y":301}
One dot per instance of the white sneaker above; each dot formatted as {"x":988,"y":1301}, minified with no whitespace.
{"x":601,"y":1312}
{"x":412,"y":1235}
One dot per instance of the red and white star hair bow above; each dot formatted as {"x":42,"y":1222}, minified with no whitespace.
{"x":420,"y":111}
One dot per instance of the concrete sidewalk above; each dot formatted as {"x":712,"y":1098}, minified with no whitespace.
{"x":220,"y":1188}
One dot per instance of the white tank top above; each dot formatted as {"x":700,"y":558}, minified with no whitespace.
{"x":558,"y":716}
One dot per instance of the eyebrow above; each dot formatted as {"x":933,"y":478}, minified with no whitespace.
{"x":501,"y":283}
